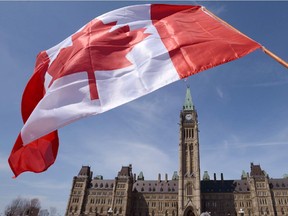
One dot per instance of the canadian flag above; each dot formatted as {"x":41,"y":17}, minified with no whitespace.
{"x":115,"y":58}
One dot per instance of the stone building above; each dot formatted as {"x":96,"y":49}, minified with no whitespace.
{"x":255,"y":194}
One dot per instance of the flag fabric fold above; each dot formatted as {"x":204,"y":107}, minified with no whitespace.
{"x":112,"y":60}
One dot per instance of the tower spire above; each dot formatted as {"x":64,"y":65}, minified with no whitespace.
{"x":189,"y":198}
{"x":188,"y":104}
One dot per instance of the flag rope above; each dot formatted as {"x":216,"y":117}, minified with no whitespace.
{"x":266,"y":51}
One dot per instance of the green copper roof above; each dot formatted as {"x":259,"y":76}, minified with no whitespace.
{"x":175,"y":176}
{"x":140,"y":176}
{"x":244,"y":175}
{"x":206,"y":176}
{"x":188,"y":104}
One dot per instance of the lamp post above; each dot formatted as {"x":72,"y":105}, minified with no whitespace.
{"x":241,"y":212}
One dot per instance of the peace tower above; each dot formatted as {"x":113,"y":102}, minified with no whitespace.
{"x":189,"y":161}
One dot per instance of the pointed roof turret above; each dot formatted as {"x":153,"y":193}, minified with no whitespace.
{"x":206,"y":176}
{"x":188,"y":104}
{"x":141,"y":176}
{"x":244,"y":175}
{"x":84,"y":171}
{"x":175,"y":176}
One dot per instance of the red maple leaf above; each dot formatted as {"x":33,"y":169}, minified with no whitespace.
{"x":95,"y":48}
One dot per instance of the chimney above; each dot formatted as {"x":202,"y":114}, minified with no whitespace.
{"x":214,"y":176}
{"x":222,"y":178}
{"x":159,"y":177}
{"x":166,"y":177}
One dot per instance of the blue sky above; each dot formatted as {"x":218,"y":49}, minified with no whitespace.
{"x":242,"y":105}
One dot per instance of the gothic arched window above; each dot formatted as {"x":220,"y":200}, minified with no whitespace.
{"x":282,"y":211}
{"x":189,"y":189}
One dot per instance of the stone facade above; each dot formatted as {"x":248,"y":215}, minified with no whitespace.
{"x":255,"y":194}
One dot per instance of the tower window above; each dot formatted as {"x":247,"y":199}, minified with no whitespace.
{"x":188,"y":133}
{"x":191,"y":147}
{"x":189,"y":189}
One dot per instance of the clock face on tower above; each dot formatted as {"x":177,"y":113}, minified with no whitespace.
{"x":188,"y":117}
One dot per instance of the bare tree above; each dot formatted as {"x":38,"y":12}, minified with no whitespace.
{"x":23,"y":207}
{"x":53,"y":211}
{"x":34,"y":207}
{"x":16,"y":207}
{"x":35,"y":203}
{"x":44,"y":212}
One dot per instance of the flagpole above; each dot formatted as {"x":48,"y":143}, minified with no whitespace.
{"x":275,"y":57}
{"x":266,"y":51}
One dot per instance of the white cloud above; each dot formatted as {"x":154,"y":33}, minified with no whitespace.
{"x":220,"y":92}
{"x":47,"y":184}
{"x":109,"y":155}
{"x":4,"y":166}
{"x":144,"y":158}
{"x":235,"y":154}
